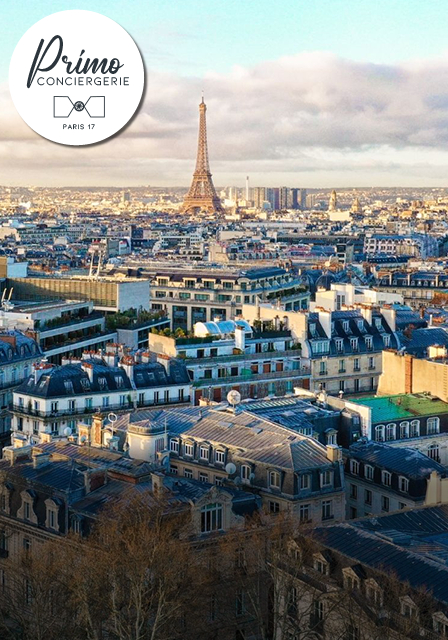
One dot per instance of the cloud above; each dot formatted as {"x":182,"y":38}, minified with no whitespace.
{"x":312,"y":116}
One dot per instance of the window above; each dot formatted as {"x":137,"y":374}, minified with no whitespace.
{"x":28,"y":592}
{"x":173,"y":469}
{"x":305,"y":481}
{"x":203,"y":453}
{"x":318,"y":612}
{"x":367,"y":496}
{"x":54,"y":406}
{"x":174,"y":446}
{"x":341,"y":385}
{"x":385,"y":503}
{"x":274,"y":507}
{"x":322,"y":368}
{"x":321,"y":566}
{"x":76,"y":525}
{"x":245,"y":473}
{"x":390,"y":432}
{"x":326,"y":478}
{"x":339,"y":346}
{"x":52,"y":519}
{"x":105,"y":402}
{"x":327,"y":509}
{"x":354,"y":344}
{"x":341,"y":366}
{"x":379,"y":433}
{"x":408,"y":608}
{"x":203,"y":477}
{"x":404,"y":430}
{"x":26,"y":544}
{"x":434,"y":452}
{"x":220,"y":457}
{"x":386,"y":478}
{"x":414,"y":429}
{"x":211,"y":517}
{"x":354,"y":467}
{"x":239,"y":603}
{"x":374,"y":593}
{"x":353,"y":633}
{"x":219,"y":481}
{"x":274,"y":479}
{"x":403,"y":484}
{"x":188,"y":473}
{"x":345,"y":325}
{"x":27,"y":511}
{"x":371,"y":362}
{"x":353,"y":491}
{"x":368,"y":340}
{"x":386,"y":340}
{"x":432,"y":426}
{"x":304,"y":513}
{"x":189,"y":449}
{"x":356,"y":364}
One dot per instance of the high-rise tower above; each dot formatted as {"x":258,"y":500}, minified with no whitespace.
{"x":202,"y":194}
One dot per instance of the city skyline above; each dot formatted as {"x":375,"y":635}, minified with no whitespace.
{"x":307,"y":107}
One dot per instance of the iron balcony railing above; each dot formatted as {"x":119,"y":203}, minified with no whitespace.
{"x":78,"y":411}
{"x":270,"y":375}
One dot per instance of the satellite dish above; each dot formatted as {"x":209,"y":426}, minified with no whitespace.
{"x":230,"y":468}
{"x":112,"y":417}
{"x":67,"y":431}
{"x":166,"y":462}
{"x":234,"y":397}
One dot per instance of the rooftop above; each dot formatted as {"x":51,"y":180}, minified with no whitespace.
{"x":402,"y":406}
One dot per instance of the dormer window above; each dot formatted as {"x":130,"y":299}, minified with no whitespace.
{"x":211,"y":517}
{"x":386,"y":478}
{"x":390,"y":432}
{"x":386,"y":340}
{"x":189,"y":449}
{"x":354,"y":467}
{"x":408,"y":608}
{"x":404,"y":430}
{"x":403,"y":484}
{"x":274,"y":479}
{"x":379,"y":433}
{"x":440,"y":624}
{"x":369,"y":342}
{"x":351,"y":580}
{"x":345,"y":325}
{"x":354,"y":344}
{"x":339,"y":344}
{"x":305,"y":481}
{"x":313,"y":330}
{"x":368,"y":472}
{"x":204,"y":452}
{"x":174,"y":446}
{"x":220,"y":457}
{"x":321,"y":564}
{"x":374,"y":593}
{"x":326,"y":478}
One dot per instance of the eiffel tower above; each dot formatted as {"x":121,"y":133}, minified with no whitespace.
{"x":202,"y":195}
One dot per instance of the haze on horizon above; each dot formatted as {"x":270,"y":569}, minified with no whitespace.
{"x":322,"y":96}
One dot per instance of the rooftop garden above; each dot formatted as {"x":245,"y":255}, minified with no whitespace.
{"x":131,"y":318}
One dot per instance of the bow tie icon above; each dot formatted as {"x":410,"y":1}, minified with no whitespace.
{"x":95,"y":106}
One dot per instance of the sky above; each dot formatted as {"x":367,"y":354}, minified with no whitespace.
{"x":307,"y":93}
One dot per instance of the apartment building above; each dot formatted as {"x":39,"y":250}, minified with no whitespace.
{"x":415,"y":245}
{"x":18,"y":354}
{"x":416,"y":287}
{"x":231,"y":354}
{"x":56,"y":399}
{"x":201,"y":295}
{"x":342,"y":348}
{"x":236,"y":448}
{"x":381,"y":478}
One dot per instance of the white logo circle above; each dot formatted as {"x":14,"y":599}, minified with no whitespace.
{"x":76,"y":77}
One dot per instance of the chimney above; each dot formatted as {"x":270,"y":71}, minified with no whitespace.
{"x":158,"y":481}
{"x":128,"y":363}
{"x":146,"y":357}
{"x":408,"y":373}
{"x":94,"y":479}
{"x":165,"y":361}
{"x":40,"y":460}
{"x":14,"y":455}
{"x":334,"y":453}
{"x":325,"y":321}
{"x":240,"y":338}
{"x":40,"y":369}
{"x":10,"y":338}
{"x":88,"y":368}
{"x":96,"y":430}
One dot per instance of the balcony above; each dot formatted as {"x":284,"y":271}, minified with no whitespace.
{"x":79,"y":411}
{"x":245,"y":357}
{"x":255,"y":377}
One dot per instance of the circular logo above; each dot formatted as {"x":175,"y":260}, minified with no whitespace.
{"x":76,"y":77}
